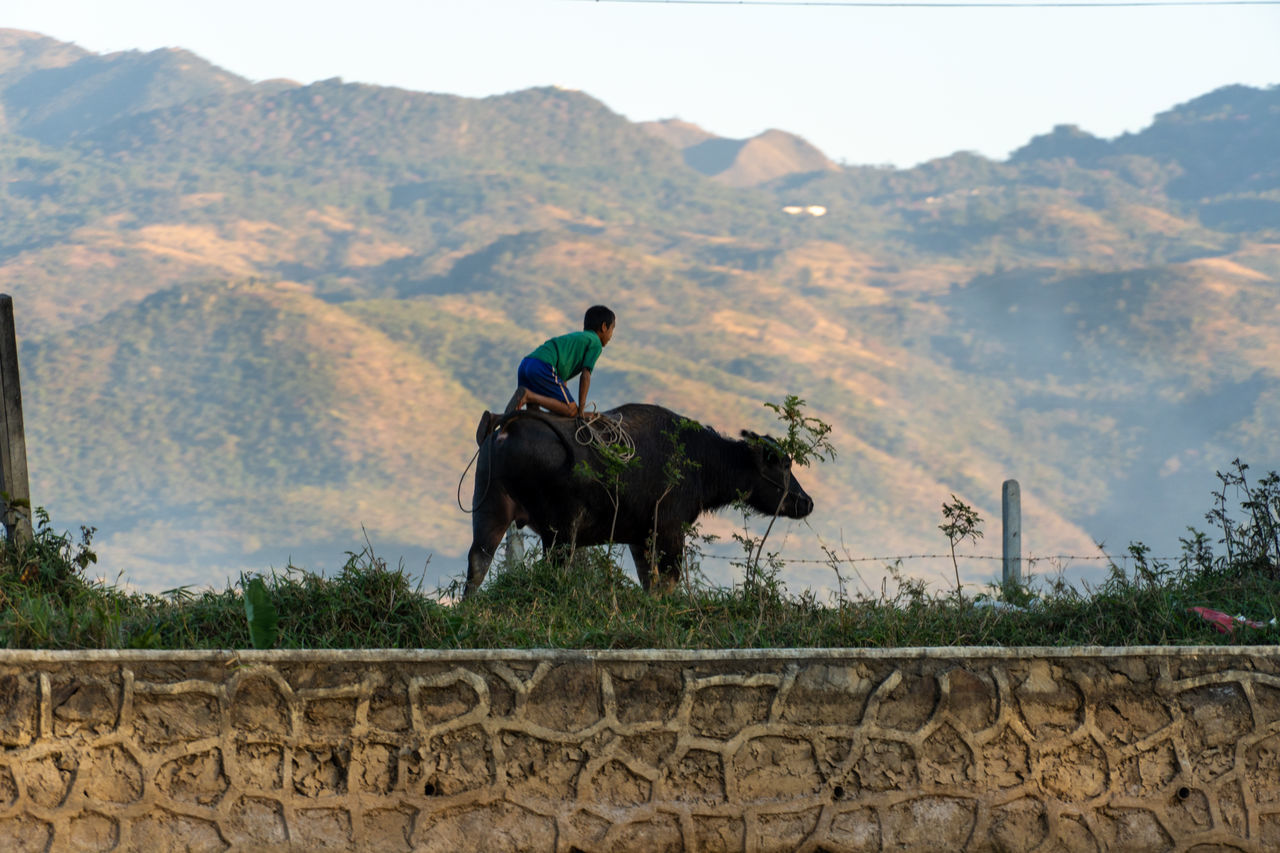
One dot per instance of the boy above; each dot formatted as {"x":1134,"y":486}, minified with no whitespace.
{"x":542,"y":374}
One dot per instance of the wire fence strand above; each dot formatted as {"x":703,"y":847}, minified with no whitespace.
{"x":1113,"y":558}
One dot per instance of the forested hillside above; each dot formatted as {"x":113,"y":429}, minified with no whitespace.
{"x":259,"y":321}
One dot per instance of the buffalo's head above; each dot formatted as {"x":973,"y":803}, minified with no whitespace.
{"x":775,"y":489}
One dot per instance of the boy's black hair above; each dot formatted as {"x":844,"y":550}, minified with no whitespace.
{"x":598,"y":317}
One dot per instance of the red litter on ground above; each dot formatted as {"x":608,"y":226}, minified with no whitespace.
{"x":1226,"y":624}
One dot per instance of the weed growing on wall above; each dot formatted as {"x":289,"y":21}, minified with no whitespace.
{"x":959,"y":522}
{"x":1251,"y":538}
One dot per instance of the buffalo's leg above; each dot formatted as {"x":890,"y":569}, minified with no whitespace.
{"x":670,"y":545}
{"x":559,"y":545}
{"x":660,"y":574}
{"x":488,"y":526}
{"x":641,"y":557}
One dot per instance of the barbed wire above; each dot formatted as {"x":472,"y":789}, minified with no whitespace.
{"x":1122,"y":558}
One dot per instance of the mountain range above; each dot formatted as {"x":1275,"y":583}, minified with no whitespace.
{"x":259,"y":321}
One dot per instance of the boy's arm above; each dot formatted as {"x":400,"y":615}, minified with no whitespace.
{"x":584,"y":385}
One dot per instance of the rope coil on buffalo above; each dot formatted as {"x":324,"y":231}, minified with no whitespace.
{"x":604,"y":431}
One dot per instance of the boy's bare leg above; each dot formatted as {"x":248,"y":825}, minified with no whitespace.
{"x":551,"y":404}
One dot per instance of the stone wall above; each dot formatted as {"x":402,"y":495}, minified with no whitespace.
{"x":832,"y":750}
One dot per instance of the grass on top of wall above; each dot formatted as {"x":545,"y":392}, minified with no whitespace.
{"x":585,"y":600}
{"x":591,"y":603}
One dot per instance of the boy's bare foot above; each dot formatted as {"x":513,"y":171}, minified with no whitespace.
{"x":517,"y":401}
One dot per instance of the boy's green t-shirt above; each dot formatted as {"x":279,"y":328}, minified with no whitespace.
{"x":570,"y":354}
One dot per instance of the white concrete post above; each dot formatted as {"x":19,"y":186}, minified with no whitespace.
{"x":515,"y":546}
{"x":1011,"y":511}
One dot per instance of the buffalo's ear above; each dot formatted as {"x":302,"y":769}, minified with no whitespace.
{"x":759,"y":444}
{"x":773,"y":451}
{"x":766,"y":448}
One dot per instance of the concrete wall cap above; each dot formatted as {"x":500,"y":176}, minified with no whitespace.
{"x":233,"y":656}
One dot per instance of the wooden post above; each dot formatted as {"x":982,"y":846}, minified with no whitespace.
{"x":1011,"y":511}
{"x":13,"y":442}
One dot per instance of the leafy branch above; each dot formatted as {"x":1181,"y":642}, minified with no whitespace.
{"x":960,"y":522}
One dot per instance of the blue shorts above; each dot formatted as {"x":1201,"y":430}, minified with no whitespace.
{"x":540,"y":378}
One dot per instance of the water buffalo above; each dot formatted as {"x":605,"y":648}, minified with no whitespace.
{"x":530,"y":470}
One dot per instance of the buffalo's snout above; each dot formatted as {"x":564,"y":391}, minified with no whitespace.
{"x":797,"y":503}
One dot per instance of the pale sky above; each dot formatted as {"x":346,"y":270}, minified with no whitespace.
{"x":866,"y":85}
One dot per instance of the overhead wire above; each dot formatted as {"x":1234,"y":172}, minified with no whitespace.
{"x":959,"y":4}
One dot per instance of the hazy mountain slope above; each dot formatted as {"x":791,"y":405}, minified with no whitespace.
{"x":1220,"y":149}
{"x":741,"y":162}
{"x":265,"y":185}
{"x":256,"y":412}
{"x":383,"y":125}
{"x":1066,"y":141}
{"x":676,"y":133}
{"x":115,"y":259}
{"x":1177,"y":363}
{"x":1009,"y":215}
{"x":1221,"y":143}
{"x":22,"y":52}
{"x":53,"y":100}
{"x":771,"y":155}
{"x":1224,"y":141}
